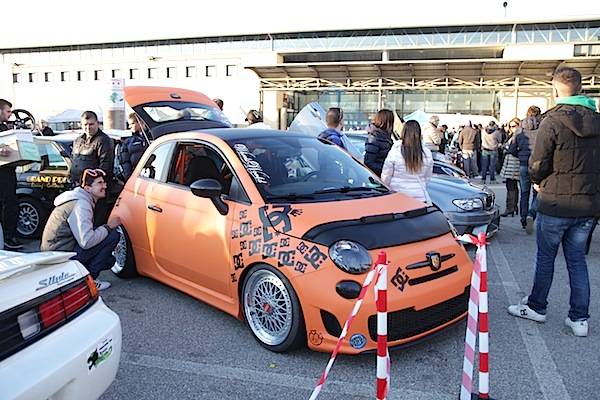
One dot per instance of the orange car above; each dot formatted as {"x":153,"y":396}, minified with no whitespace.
{"x":279,"y":229}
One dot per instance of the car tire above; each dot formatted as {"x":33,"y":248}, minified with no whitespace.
{"x":31,"y":217}
{"x":278,"y":329}
{"x":124,"y":259}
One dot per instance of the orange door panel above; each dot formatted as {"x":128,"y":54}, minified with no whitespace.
{"x":191,"y":241}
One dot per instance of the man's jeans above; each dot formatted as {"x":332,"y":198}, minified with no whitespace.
{"x":469,"y":162}
{"x":573,"y":233}
{"x":488,"y":161}
{"x":99,"y":257}
{"x":525,"y":183}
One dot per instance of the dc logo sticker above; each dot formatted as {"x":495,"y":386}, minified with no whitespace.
{"x":358,"y":341}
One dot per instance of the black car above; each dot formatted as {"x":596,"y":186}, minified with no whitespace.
{"x":39,"y":183}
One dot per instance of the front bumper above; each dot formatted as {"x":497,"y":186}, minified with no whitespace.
{"x":468,"y":221}
{"x":427,"y":302}
{"x":58,"y":366}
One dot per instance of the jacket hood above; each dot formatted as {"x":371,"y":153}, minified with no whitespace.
{"x":76,"y":194}
{"x":581,"y":120}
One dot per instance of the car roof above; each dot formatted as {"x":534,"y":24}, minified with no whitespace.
{"x":136,"y":95}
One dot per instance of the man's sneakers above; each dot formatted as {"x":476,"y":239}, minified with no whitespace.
{"x":12,"y":244}
{"x":522,"y":310}
{"x":529,"y":224}
{"x":579,"y":328}
{"x":102,"y":285}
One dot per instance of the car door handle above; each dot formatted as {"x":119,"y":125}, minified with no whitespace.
{"x":154,"y":207}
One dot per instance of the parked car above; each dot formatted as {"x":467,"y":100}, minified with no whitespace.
{"x":39,"y":183}
{"x":279,"y":229}
{"x":471,"y":208}
{"x":58,"y":340}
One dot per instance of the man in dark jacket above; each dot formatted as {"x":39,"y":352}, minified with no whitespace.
{"x":93,"y":149}
{"x":521,"y":148}
{"x":564,"y":166}
{"x":131,"y":149}
{"x":8,"y":188}
{"x":335,"y":123}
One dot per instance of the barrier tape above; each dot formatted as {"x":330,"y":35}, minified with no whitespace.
{"x":478,"y":309}
{"x":375,"y":270}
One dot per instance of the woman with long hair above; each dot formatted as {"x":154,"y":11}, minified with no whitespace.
{"x":511,"y":171}
{"x":379,"y":141}
{"x":409,"y":165}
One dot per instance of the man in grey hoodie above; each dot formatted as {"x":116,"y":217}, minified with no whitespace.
{"x":70,"y":226}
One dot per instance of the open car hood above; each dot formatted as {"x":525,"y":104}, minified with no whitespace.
{"x":147,"y":102}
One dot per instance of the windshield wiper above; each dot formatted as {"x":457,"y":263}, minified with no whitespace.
{"x":292,"y":197}
{"x":347,"y":189}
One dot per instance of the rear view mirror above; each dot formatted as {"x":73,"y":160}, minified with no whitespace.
{"x":210,"y":189}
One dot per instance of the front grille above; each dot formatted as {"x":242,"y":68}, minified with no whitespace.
{"x":407,"y":323}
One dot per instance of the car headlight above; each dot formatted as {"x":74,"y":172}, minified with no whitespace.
{"x":350,"y":257}
{"x":468,"y":204}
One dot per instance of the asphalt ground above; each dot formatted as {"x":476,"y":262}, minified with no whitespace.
{"x":175,"y":347}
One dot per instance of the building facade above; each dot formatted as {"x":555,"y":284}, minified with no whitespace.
{"x":496,"y":70}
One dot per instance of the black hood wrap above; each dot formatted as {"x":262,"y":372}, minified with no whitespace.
{"x":381,"y":231}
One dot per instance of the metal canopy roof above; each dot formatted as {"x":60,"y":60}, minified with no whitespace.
{"x":489,"y":73}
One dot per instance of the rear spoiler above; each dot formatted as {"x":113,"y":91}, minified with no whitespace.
{"x":12,"y":262}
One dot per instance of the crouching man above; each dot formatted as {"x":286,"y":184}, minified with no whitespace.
{"x":70,"y":227}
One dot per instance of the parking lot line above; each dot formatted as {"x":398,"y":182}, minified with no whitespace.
{"x":277,"y":379}
{"x":549,"y":379}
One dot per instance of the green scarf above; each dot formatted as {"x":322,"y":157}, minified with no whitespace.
{"x":578,"y":100}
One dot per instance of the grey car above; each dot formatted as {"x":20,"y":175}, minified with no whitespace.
{"x":471,"y":208}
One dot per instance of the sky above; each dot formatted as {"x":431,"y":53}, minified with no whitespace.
{"x":68,"y":22}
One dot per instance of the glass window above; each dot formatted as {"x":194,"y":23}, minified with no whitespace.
{"x":134,"y":73}
{"x":157,"y":164}
{"x":32,"y":77}
{"x":482,"y":103}
{"x":459,"y":102}
{"x":185,"y":111}
{"x":116,"y":73}
{"x":190,"y":72}
{"x":47,"y":76}
{"x":171,"y":72}
{"x":296,"y":169}
{"x":413,"y":101}
{"x":194,"y":161}
{"x":211,"y":71}
{"x":80,"y":75}
{"x":16,"y":78}
{"x":435,"y":102}
{"x":230,"y":70}
{"x":98,"y":74}
{"x":52,"y":160}
{"x":152,"y":73}
{"x":64,"y":76}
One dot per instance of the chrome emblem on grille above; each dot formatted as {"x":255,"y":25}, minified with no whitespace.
{"x":435,"y":261}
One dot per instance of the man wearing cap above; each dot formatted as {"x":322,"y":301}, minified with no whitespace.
{"x":255,"y":120}
{"x":70,"y":226}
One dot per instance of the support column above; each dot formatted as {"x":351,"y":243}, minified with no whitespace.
{"x":272,"y":102}
{"x":517,"y":95}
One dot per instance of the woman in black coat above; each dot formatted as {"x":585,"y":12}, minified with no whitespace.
{"x":379,"y":141}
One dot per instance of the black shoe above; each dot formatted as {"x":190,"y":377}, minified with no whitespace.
{"x":507,"y":213}
{"x":13,"y":244}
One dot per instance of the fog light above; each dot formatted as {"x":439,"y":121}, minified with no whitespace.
{"x":348,"y":289}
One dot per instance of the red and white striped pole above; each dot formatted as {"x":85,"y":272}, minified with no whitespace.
{"x":478,"y":308}
{"x":383,"y":356}
{"x":466,"y":387}
{"x":484,"y":347}
{"x":381,"y":260}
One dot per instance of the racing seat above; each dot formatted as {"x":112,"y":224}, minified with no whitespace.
{"x":201,"y":168}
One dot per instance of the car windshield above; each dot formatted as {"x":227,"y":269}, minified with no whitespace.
{"x":161,"y":113}
{"x":291,"y":168}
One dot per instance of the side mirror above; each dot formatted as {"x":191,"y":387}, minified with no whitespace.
{"x":210,"y":189}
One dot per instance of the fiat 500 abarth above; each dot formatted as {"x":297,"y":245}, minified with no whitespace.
{"x":279,"y":229}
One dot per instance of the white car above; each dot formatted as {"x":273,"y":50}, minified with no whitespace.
{"x":58,"y":339}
